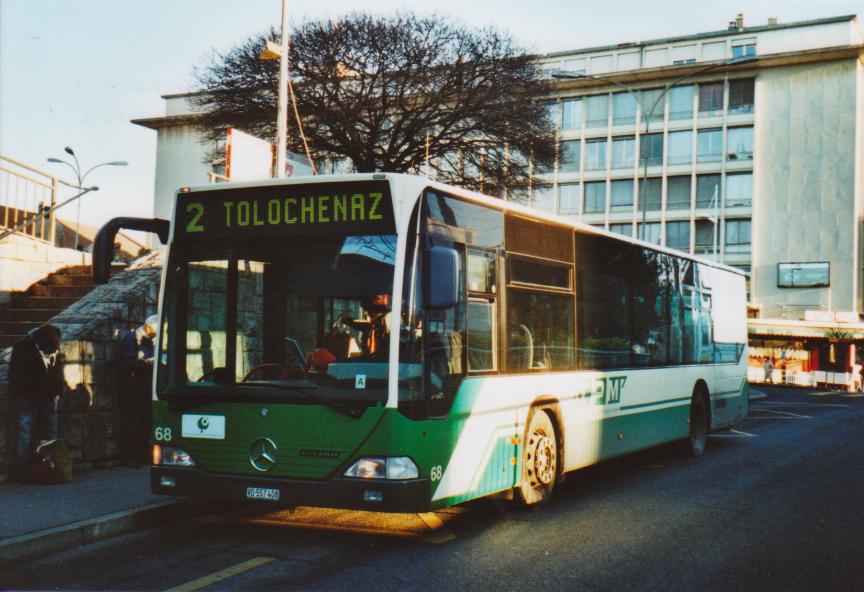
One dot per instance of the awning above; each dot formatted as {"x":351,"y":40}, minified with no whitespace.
{"x":804,"y":329}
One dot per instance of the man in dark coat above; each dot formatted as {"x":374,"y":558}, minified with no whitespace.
{"x":36,"y":382}
{"x":136,"y":358}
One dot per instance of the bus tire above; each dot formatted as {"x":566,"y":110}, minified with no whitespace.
{"x":699,"y":424}
{"x":539,"y":460}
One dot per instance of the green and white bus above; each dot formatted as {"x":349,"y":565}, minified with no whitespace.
{"x":386,"y":342}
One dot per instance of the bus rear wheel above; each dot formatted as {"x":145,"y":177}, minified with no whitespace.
{"x":698,"y":435}
{"x":539,"y":461}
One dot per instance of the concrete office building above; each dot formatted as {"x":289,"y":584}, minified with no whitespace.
{"x":753,"y":156}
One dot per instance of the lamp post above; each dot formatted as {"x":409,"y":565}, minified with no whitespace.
{"x":565,"y":75}
{"x":76,"y":168}
{"x":280,"y":52}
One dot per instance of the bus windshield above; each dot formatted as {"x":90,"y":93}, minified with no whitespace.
{"x":294,"y":318}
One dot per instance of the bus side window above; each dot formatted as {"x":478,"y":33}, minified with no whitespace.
{"x":482,"y":317}
{"x":445,"y":329}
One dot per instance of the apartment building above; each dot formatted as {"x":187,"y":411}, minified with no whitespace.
{"x":743,"y":145}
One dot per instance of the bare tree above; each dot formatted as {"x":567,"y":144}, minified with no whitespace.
{"x":390,"y":92}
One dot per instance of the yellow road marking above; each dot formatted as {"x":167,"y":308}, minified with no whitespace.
{"x":220,"y":576}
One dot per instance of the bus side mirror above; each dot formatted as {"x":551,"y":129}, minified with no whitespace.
{"x":103,"y":244}
{"x":442,"y":278}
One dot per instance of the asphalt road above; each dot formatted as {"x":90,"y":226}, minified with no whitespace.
{"x":776,"y":504}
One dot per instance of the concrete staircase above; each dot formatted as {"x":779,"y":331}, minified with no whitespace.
{"x":42,"y":301}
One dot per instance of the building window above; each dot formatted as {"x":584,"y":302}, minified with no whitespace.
{"x":623,"y":152}
{"x":623,"y":108}
{"x":597,"y":111}
{"x":570,"y":156}
{"x":595,"y":155}
{"x":543,"y":199}
{"x":705,"y":238}
{"x":653,"y":104}
{"x":650,"y":232}
{"x":739,"y":143}
{"x":622,"y":229}
{"x":743,"y":51}
{"x":571,"y":114}
{"x":741,"y":96}
{"x":678,"y":235}
{"x":709,"y":145}
{"x":651,"y":149}
{"x":737,"y":235}
{"x":678,"y":193}
{"x":680,"y":148}
{"x":708,"y":191}
{"x":651,"y":196}
{"x":595,"y":197}
{"x":554,"y":112}
{"x":622,"y":195}
{"x":681,"y":102}
{"x":739,"y":190}
{"x":569,"y":196}
{"x":710,"y":99}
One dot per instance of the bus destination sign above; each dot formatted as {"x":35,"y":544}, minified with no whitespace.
{"x":355,"y":207}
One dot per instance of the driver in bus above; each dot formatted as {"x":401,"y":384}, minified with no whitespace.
{"x":375,"y":328}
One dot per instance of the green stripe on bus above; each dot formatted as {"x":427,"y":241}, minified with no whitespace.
{"x":654,"y":404}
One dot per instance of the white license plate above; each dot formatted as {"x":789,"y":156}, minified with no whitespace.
{"x":263,"y":494}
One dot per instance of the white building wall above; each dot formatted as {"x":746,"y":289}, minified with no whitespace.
{"x":181,"y":160}
{"x":804,"y":188}
{"x":710,"y":48}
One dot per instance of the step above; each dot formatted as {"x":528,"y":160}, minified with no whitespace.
{"x":13,"y":328}
{"x":59,"y":291}
{"x":56,"y":303}
{"x":75,"y":270}
{"x":67,"y":279}
{"x":29,"y":315}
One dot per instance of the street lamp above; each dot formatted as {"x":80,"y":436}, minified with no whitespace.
{"x":280,"y":52}
{"x":566,"y":75}
{"x":76,"y":168}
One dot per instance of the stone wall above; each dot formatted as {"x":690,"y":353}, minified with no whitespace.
{"x":92,"y":329}
{"x":25,"y":260}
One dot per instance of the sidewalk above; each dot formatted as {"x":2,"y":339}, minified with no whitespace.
{"x":40,"y":519}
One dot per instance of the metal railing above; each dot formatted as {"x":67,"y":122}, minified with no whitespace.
{"x":28,"y":198}
{"x":217,"y":178}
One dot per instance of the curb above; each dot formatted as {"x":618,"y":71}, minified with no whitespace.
{"x":67,"y":536}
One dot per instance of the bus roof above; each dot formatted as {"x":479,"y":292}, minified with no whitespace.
{"x":416,"y":184}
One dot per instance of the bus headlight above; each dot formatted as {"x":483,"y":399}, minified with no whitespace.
{"x":378,"y":467}
{"x":172,"y":457}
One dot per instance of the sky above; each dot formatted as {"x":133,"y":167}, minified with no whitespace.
{"x":75,"y":72}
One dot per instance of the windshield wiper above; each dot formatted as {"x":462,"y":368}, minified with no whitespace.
{"x":335,"y":405}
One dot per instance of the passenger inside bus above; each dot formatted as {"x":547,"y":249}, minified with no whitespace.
{"x":375,"y":328}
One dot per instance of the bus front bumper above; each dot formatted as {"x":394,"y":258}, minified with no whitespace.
{"x":412,"y":496}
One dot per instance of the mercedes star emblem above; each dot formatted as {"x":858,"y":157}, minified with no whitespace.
{"x":262,"y":454}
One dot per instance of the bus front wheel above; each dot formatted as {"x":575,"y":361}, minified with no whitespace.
{"x":698,"y":435}
{"x":539,"y":461}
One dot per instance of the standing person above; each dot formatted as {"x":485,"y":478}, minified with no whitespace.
{"x":36,"y":382}
{"x":768,"y":367}
{"x":136,"y":359}
{"x":856,"y":377}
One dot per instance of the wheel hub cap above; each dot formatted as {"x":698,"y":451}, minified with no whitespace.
{"x":544,"y":460}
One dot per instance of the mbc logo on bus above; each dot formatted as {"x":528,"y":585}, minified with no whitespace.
{"x":602,"y":391}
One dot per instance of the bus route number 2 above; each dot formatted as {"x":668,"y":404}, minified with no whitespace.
{"x":196,"y":208}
